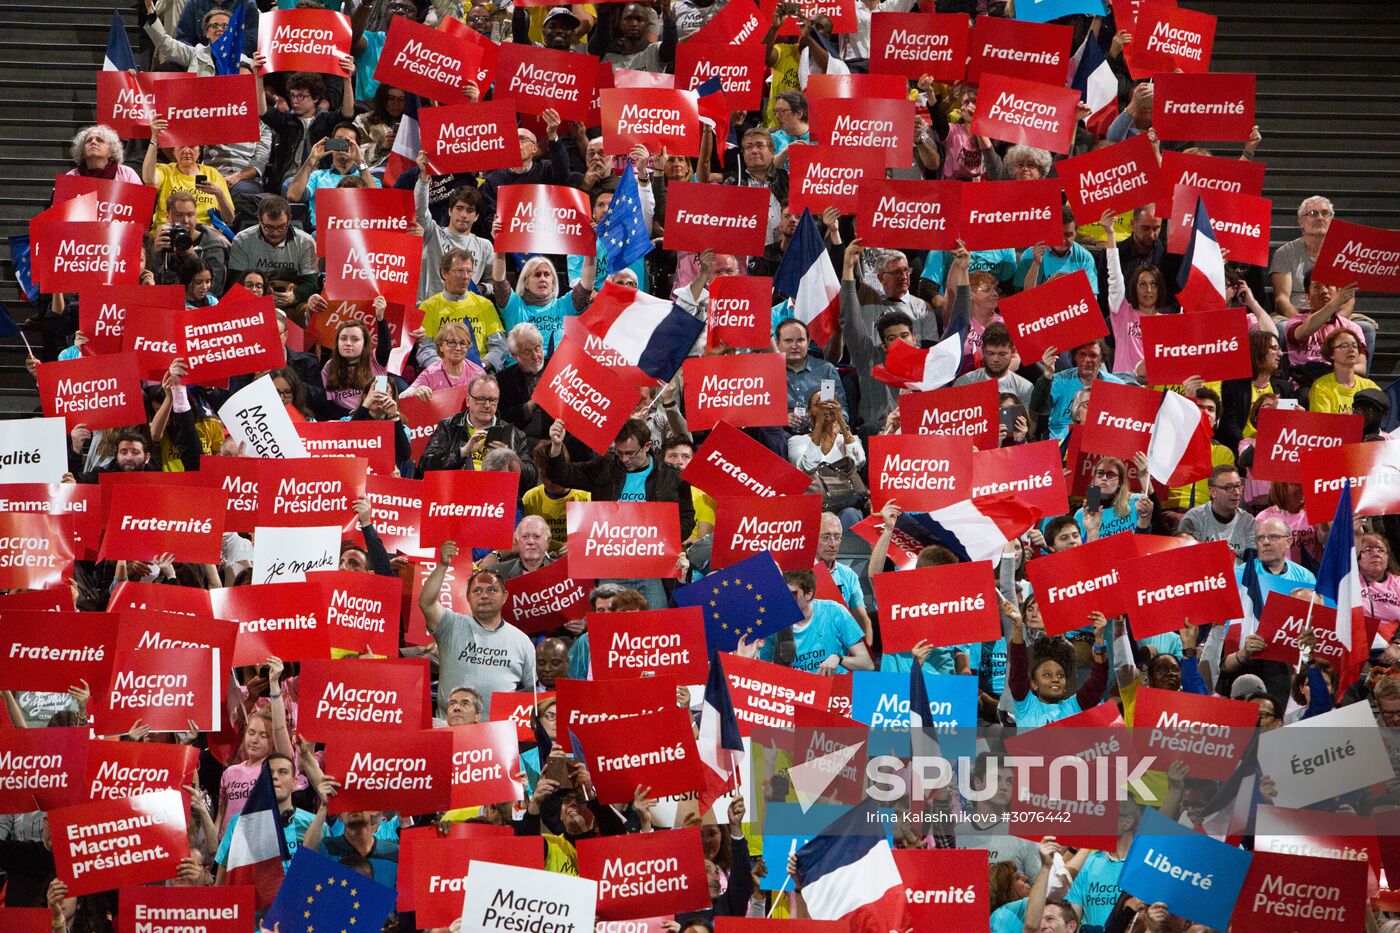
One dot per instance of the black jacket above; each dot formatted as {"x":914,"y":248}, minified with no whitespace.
{"x":515,"y":392}
{"x":286,"y":140}
{"x":1235,"y":398}
{"x":604,"y":477}
{"x":444,"y":450}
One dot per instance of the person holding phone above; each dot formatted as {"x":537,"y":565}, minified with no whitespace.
{"x":184,"y":172}
{"x":343,"y":146}
{"x":460,"y":442}
{"x":1111,"y":507}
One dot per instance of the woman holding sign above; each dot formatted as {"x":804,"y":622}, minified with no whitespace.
{"x":264,"y":732}
{"x":1128,"y":304}
{"x":353,"y":369}
{"x":1040,"y":677}
{"x":184,"y":173}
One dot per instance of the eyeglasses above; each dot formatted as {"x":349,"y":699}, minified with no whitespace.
{"x":299,"y":95}
{"x":1268,"y":538}
{"x":283,"y":227}
{"x":1107,"y":474}
{"x":285,"y":394}
{"x":1315,"y":214}
{"x":830,"y":536}
{"x":216,"y":27}
{"x":1346,"y":346}
{"x":487,"y":400}
{"x":630,"y":454}
{"x":1373,"y":549}
{"x":1390,"y":715}
{"x":458,"y":343}
{"x":1228,"y":487}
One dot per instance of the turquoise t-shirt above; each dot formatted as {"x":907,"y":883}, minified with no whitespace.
{"x":1033,"y":711}
{"x":1095,"y":889}
{"x":549,"y":318}
{"x":939,"y":661}
{"x":294,"y":831}
{"x":831,"y":631}
{"x":994,"y":656}
{"x":366,"y":62}
{"x":999,"y":262}
{"x":634,"y":488}
{"x":1009,"y":918}
{"x":849,"y":584}
{"x":1112,"y":523}
{"x":1051,"y":265}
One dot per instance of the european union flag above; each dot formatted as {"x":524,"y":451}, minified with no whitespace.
{"x":228,"y":48}
{"x":24,"y":274}
{"x":749,"y":599}
{"x":8,"y":327}
{"x":319,"y":894}
{"x":624,"y":232}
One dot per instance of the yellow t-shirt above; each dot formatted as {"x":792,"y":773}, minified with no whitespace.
{"x":784,"y":78}
{"x":538,"y":502}
{"x":1122,"y":229}
{"x":537,"y":15}
{"x":1254,"y":395}
{"x":479,"y":313}
{"x":170,"y":179}
{"x":1327,"y":395}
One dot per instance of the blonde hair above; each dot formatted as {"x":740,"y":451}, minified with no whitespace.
{"x":452,"y":329}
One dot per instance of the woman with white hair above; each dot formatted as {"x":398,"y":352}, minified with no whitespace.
{"x":1022,"y":163}
{"x":536,"y":297}
{"x":97,"y":153}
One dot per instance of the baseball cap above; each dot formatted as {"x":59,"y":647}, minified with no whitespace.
{"x":558,"y":11}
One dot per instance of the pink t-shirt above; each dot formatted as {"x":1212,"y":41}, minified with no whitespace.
{"x":435,"y":377}
{"x":1310,"y":350}
{"x":1383,"y":597}
{"x":1127,"y":338}
{"x":234,"y":787}
{"x":972,"y":346}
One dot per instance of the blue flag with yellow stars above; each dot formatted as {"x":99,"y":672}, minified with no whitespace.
{"x":320,"y":895}
{"x":623,"y":233}
{"x":749,"y":599}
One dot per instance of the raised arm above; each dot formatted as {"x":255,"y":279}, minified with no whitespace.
{"x":432,"y":586}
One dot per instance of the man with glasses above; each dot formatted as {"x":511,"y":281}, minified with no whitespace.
{"x":303,"y":125}
{"x":1222,"y":519}
{"x":758,"y":169}
{"x":478,"y":650}
{"x":456,"y":302}
{"x":846,"y":580}
{"x":460,"y":442}
{"x":1293,"y":261}
{"x":1275,"y":539}
{"x":274,"y":246}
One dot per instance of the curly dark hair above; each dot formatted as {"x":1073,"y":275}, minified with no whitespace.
{"x":1054,"y":648}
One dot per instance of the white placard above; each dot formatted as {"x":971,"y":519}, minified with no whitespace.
{"x":1323,"y":757}
{"x":287,"y":555}
{"x":255,"y":415}
{"x":504,"y":897}
{"x":33,"y":450}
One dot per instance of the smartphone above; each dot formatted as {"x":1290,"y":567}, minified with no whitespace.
{"x":556,"y":769}
{"x":381,"y":383}
{"x":1093,"y":498}
{"x":1008,"y":416}
{"x":200,"y":179}
{"x":828,"y":390}
{"x":800,"y":411}
{"x":499,"y":434}
{"x":337,"y":145}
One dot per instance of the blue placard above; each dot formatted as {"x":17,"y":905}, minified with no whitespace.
{"x":880,"y":699}
{"x":1197,"y":877}
{"x":1042,"y":11}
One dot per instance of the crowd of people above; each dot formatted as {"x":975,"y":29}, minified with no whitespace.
{"x":245,"y":215}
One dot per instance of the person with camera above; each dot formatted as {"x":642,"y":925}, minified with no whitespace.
{"x":343,"y":146}
{"x":183,"y":238}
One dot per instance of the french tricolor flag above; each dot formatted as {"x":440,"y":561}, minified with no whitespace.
{"x":977,"y":529}
{"x":1179,"y":451}
{"x":1094,"y":79}
{"x":720,"y":745}
{"x":257,"y":847}
{"x":807,"y":276}
{"x":1201,"y":282}
{"x":849,"y":873}
{"x":651,"y":333}
{"x":919,"y":369}
{"x":1339,"y":581}
{"x":407,"y":142}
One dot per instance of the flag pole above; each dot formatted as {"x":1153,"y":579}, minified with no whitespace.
{"x":792,"y":850}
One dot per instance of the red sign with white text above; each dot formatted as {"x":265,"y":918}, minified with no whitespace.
{"x":149,"y":333}
{"x":179,"y":600}
{"x":1241,"y":223}
{"x":1032,"y":472}
{"x":126,"y":769}
{"x":1120,"y":177}
{"x":365,"y":264}
{"x":314,"y":40}
{"x":550,"y":219}
{"x":421,"y":418}
{"x":766,"y":695}
{"x":699,"y":216}
{"x":1072,"y":583}
{"x":918,"y":44}
{"x":474,"y":508}
{"x":1203,"y":106}
{"x":469,"y":137}
{"x":284,"y":620}
{"x":1369,"y":467}
{"x":582,"y":702}
{"x":1030,"y":113}
{"x":1033,"y":51}
{"x":879,"y":125}
{"x":486,"y":764}
{"x":969,"y":411}
{"x":76,"y":255}
{"x":546,"y":598}
{"x":584,"y":394}
{"x":310,"y":492}
{"x":1165,"y":721}
{"x":1317,"y":895}
{"x":951,"y":605}
{"x":184,"y":521}
{"x":207,"y":110}
{"x":517,"y":708}
{"x":1168,"y":38}
{"x":102,"y":312}
{"x":1210,"y":344}
{"x":540,"y":79}
{"x":426,"y":61}
{"x":660,"y":642}
{"x":407,"y":771}
{"x":730,"y":463}
{"x":749,"y":525}
{"x":36,"y":550}
{"x":362,"y":610}
{"x":220,"y":909}
{"x":656,"y":751}
{"x":99,"y":392}
{"x":661,"y":119}
{"x":624,"y":539}
{"x":885,"y":87}
{"x":748,"y":390}
{"x":353,"y":695}
{"x":1119,"y":420}
{"x":166,"y":688}
{"x":1010,"y":214}
{"x":740,"y":314}
{"x":1061,"y":313}
{"x":486,"y":65}
{"x":371,"y":439}
{"x":1282,"y":623}
{"x":1207,"y":173}
{"x":107,"y":844}
{"x":378,"y":209}
{"x":670,"y":865}
{"x":1368,"y":256}
{"x":397,"y":506}
{"x":1196,"y":583}
{"x":922,"y":472}
{"x":439,"y":875}
{"x":452,"y":596}
{"x":821,"y":176}
{"x":945,"y":888}
{"x":117,"y":201}
{"x":1285,"y":435}
{"x":907,"y":214}
{"x":741,"y":70}
{"x":127,"y":102}
{"x":25,"y":786}
{"x":144,"y":629}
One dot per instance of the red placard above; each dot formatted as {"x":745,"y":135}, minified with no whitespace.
{"x":736,"y":25}
{"x":1072,"y":583}
{"x":730,"y":463}
{"x":237,"y":479}
{"x":918,"y":44}
{"x":820,"y":177}
{"x":102,"y":312}
{"x":36,"y":550}
{"x":1369,"y":467}
{"x":321,"y":328}
{"x":921,"y":472}
{"x":545,"y":599}
{"x":486,"y":764}
{"x":1034,"y":51}
{"x":908,"y":214}
{"x":749,"y":525}
{"x":352,"y":695}
{"x":661,"y":119}
{"x":365,"y":264}
{"x":178,"y":600}
{"x":879,"y":125}
{"x":42,"y":768}
{"x":184,"y":521}
{"x":486,"y":66}
{"x":59,"y":599}
{"x":99,"y":392}
{"x":584,"y":394}
{"x":517,"y":709}
{"x":469,"y":137}
{"x":624,"y":539}
{"x":397,"y":506}
{"x":1165,"y":722}
{"x":127,"y":102}
{"x":1282,"y":623}
{"x":766,"y":695}
{"x":594,"y":701}
{"x":124,"y":769}
{"x":284,"y":620}
{"x":314,"y":40}
{"x":1196,"y":583}
{"x":1321,"y":833}
{"x":1210,"y":344}
{"x":970,"y":411}
{"x":1168,"y":38}
{"x":421,"y":418}
{"x":406,"y":771}
{"x":741,"y":70}
{"x":73,"y":255}
{"x":1029,"y":112}
{"x":945,"y":888}
{"x":740,"y":314}
{"x":656,"y":751}
{"x":426,"y":61}
{"x":438,"y":878}
{"x":107,"y":844}
{"x":699,"y":216}
{"x":539,"y":79}
{"x":207,"y":110}
{"x":646,"y":874}
{"x":1203,"y":106}
{"x":1120,"y":177}
{"x":372,"y":440}
{"x":1241,"y":223}
{"x":1207,"y":173}
{"x":1307,"y":894}
{"x":871,"y":86}
{"x":1286,"y":434}
{"x":117,"y":201}
{"x":548,"y":219}
{"x":471,"y":507}
{"x":221,"y":909}
{"x":373,"y":209}
{"x":1368,"y":256}
{"x":1061,"y":313}
{"x":310,"y":492}
{"x":147,"y":629}
{"x":166,"y":688}
{"x":665,"y":642}
{"x":1119,"y":420}
{"x":362,"y":610}
{"x":1002,"y":214}
{"x":1094,"y":733}
{"x":1031,"y":472}
{"x":150,"y":334}
{"x":950,"y":605}
{"x":748,"y":390}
